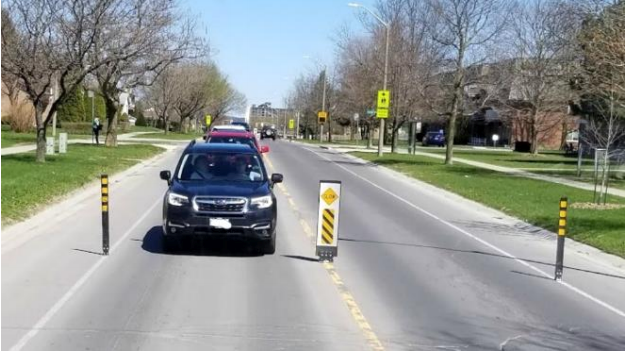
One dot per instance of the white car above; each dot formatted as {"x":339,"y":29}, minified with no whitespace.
{"x":228,"y":128}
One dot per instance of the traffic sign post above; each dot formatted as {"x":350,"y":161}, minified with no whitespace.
{"x":328,"y":215}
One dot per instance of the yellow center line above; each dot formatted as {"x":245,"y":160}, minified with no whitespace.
{"x":345,"y":294}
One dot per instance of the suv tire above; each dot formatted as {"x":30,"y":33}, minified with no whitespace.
{"x":267,"y":247}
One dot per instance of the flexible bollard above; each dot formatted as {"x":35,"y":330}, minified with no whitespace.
{"x":562,"y":232}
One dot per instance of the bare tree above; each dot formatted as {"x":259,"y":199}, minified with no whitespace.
{"x":163,"y":95}
{"x":150,"y":36}
{"x":602,"y":83}
{"x":224,"y":98}
{"x":542,"y":34}
{"x":465,"y":29}
{"x":194,"y":82}
{"x":50,"y":43}
{"x":187,"y":89}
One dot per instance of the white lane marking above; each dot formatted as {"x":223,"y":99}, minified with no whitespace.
{"x":68,"y":295}
{"x":484,"y":242}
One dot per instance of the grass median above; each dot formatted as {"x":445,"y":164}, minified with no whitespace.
{"x":533,"y":201}
{"x":27,"y":186}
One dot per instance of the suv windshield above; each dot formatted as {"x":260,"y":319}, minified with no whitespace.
{"x":220,"y":167}
{"x":237,"y":140}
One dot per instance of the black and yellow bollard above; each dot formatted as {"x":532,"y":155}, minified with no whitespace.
{"x":562,"y":232}
{"x":104,"y":189}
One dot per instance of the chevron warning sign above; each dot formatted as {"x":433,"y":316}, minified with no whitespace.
{"x":328,"y":212}
{"x":327,"y":224}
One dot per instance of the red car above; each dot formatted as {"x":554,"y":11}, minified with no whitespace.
{"x":244,"y":137}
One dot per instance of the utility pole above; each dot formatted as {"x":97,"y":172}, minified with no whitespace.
{"x":382,"y":122}
{"x":324,"y":97}
{"x":285,"y":117}
{"x":382,"y":125}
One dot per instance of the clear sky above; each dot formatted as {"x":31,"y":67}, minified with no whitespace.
{"x":260,"y":44}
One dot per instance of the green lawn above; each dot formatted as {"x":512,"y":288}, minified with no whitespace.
{"x":545,"y":159}
{"x":26,"y":185}
{"x":531,"y":200}
{"x":170,"y":136}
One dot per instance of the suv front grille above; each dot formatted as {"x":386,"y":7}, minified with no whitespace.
{"x":228,"y":205}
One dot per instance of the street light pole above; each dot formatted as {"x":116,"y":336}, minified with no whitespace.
{"x":382,"y":125}
{"x":324,"y":98}
{"x":285,"y":119}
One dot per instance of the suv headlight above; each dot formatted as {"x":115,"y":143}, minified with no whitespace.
{"x":177,"y":199}
{"x":262,"y":202}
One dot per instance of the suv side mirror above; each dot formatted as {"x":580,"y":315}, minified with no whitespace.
{"x":276,"y":178}
{"x":264,"y":149}
{"x":165,"y":175}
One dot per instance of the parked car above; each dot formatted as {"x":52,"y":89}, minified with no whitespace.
{"x":434,"y":138}
{"x":237,"y":137}
{"x":220,"y":191}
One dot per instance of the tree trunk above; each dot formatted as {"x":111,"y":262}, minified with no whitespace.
{"x":534,"y":133}
{"x":451,"y":129}
{"x":457,"y":100}
{"x":329,"y":132}
{"x":352,"y":132}
{"x":563,"y":135}
{"x":41,"y":139}
{"x":166,"y":126}
{"x":111,"y":140}
{"x":395,"y":136}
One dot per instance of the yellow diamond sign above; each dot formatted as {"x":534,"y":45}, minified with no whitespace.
{"x":329,"y":196}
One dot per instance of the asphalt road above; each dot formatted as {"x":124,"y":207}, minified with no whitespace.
{"x":417,"y":269}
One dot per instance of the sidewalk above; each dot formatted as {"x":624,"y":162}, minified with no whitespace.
{"x":507,"y":170}
{"x":123,"y":139}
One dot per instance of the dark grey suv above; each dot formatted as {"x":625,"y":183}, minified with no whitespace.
{"x":220,"y":190}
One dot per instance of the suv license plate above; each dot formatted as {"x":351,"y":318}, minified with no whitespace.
{"x":221,"y":223}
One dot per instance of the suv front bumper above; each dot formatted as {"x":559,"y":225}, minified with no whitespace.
{"x":254,"y":224}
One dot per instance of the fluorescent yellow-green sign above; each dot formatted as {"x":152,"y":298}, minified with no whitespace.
{"x":383,"y":99}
